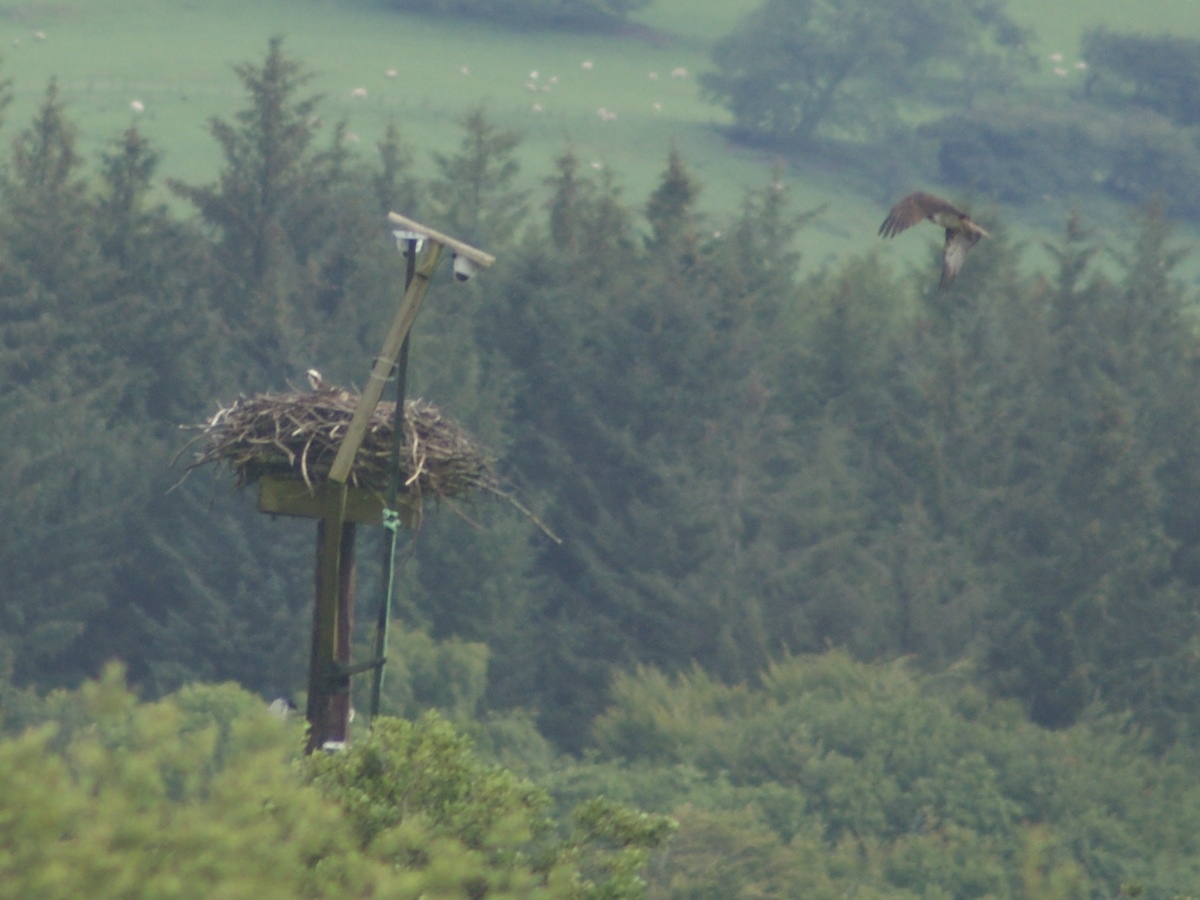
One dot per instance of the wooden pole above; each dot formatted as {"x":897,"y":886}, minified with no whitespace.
{"x":328,"y":681}
{"x":339,"y":686}
{"x":322,"y":660}
{"x":323,"y":679}
{"x":382,"y":369}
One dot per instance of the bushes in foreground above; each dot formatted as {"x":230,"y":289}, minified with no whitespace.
{"x":203,"y":794}
{"x":827,"y":778}
{"x":844,"y":777}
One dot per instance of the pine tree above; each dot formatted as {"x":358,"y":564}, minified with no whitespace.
{"x":289,"y":228}
{"x":393,"y":184}
{"x":1089,"y":607}
{"x":642,"y":416}
{"x":473,"y":196}
{"x":671,"y":211}
{"x":72,"y":452}
{"x":265,"y":149}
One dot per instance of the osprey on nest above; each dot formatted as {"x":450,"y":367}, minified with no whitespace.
{"x":317,"y":383}
{"x":961,"y":233}
{"x":320,"y":386}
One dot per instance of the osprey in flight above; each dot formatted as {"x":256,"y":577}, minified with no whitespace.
{"x":961,"y":232}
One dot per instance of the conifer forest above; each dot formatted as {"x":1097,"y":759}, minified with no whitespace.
{"x":865,"y":588}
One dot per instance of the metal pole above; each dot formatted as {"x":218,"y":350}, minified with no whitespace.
{"x":391,"y":519}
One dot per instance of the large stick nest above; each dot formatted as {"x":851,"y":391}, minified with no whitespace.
{"x":299,"y":433}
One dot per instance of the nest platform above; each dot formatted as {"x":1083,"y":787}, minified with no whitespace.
{"x":297,"y":434}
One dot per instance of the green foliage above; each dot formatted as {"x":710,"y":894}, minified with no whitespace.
{"x":721,"y":854}
{"x":744,"y":465}
{"x":581,"y":14}
{"x":1097,"y":548}
{"x":619,"y":424}
{"x":411,"y":785}
{"x":74,"y":459}
{"x":290,"y":224}
{"x":426,"y":769}
{"x":1153,"y":159}
{"x":393,"y":185}
{"x":171,"y":799}
{"x":44,"y":192}
{"x":473,"y":193}
{"x":609,"y":846}
{"x":1160,"y":73}
{"x":1021,"y":153}
{"x":265,"y":151}
{"x":120,"y":321}
{"x":899,"y":785}
{"x":200,"y":794}
{"x":471,"y":589}
{"x":671,"y":209}
{"x":794,"y":68}
{"x":424,"y":674}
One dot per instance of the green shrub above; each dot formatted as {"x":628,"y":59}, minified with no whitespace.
{"x":1021,"y":154}
{"x":1161,"y":72}
{"x":944,"y":793}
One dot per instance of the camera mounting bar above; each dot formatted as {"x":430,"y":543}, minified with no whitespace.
{"x":455,"y":246}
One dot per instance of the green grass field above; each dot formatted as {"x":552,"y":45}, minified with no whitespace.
{"x":175,"y":58}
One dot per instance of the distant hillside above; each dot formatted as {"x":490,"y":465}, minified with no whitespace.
{"x":173,"y":58}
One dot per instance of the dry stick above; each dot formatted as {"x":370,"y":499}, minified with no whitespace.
{"x":528,"y":513}
{"x":304,"y":462}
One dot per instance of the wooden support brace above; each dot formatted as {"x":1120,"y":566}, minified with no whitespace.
{"x":329,"y":672}
{"x":382,"y":370}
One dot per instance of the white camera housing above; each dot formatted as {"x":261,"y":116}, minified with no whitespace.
{"x":464,"y":268}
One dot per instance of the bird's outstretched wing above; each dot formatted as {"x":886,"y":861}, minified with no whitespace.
{"x":954,"y":251}
{"x":914,"y":208}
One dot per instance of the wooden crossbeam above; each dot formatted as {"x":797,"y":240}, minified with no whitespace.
{"x":452,"y":244}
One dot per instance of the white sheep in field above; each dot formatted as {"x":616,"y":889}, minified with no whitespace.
{"x":359,"y":93}
{"x":138,"y":106}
